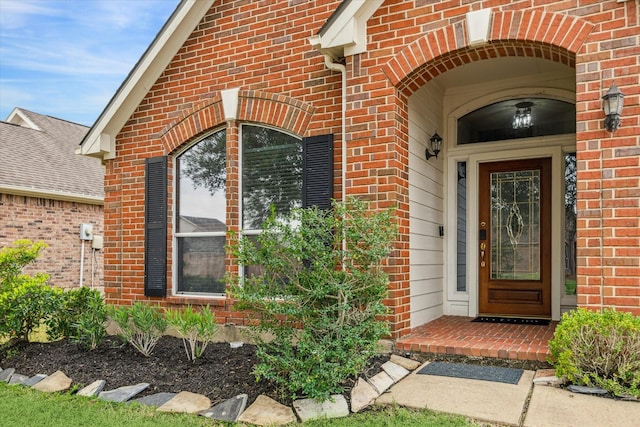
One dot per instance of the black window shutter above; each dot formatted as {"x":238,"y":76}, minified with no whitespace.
{"x":155,"y":244}
{"x":317,"y":175}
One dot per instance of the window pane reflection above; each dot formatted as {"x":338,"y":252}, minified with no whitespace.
{"x":271,"y":174}
{"x":202,"y":178}
{"x":570,"y":216}
{"x":201,"y":264}
{"x":201,"y":208}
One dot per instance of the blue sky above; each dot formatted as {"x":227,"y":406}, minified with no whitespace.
{"x":67,"y":58}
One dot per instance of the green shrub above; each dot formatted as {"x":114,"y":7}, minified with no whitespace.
{"x":140,"y":324}
{"x":14,"y":259}
{"x":76,"y":303}
{"x":197,"y":329}
{"x":89,"y":328}
{"x":599,"y":350}
{"x":321,"y":304}
{"x":27,"y":304}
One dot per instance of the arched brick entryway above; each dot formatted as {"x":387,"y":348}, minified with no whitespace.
{"x":540,"y":35}
{"x":535,"y":34}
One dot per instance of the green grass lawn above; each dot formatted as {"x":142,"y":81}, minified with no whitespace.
{"x":22,"y":407}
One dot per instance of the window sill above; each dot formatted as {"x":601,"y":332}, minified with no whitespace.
{"x":185,"y":299}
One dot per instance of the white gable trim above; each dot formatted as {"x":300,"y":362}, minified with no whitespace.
{"x":18,"y":117}
{"x":100,"y":140}
{"x":346,"y":31}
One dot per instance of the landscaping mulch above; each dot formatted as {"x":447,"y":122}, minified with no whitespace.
{"x":221,"y":373}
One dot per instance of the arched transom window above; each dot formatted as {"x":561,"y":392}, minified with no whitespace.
{"x":517,"y":118}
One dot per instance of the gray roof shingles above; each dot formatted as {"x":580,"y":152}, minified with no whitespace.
{"x":45,"y":160}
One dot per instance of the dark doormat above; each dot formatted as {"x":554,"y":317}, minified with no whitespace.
{"x":511,"y":320}
{"x":474,"y":372}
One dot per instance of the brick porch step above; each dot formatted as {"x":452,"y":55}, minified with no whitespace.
{"x":458,"y":335}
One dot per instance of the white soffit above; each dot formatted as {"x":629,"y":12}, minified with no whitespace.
{"x":478,"y":26}
{"x":100,"y":140}
{"x":346,"y":31}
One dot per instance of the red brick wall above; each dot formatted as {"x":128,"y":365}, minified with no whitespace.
{"x":57,"y":223}
{"x":262,"y":48}
{"x":264,"y":59}
{"x":609,"y":164}
{"x":602,"y":40}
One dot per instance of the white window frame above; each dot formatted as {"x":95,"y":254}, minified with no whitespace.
{"x":175,"y":219}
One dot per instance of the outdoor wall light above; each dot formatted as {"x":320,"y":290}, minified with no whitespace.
{"x":436,"y":144}
{"x":613,"y":101}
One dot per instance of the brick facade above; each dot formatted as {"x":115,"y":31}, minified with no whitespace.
{"x":57,"y":223}
{"x":262,"y":48}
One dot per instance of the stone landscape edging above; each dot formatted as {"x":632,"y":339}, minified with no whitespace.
{"x":264,"y":411}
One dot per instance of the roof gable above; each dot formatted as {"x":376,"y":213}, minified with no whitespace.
{"x":19,"y":117}
{"x":343,"y":34}
{"x":37,"y":158}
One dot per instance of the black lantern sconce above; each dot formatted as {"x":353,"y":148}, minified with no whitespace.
{"x":436,"y":144}
{"x":613,"y":101}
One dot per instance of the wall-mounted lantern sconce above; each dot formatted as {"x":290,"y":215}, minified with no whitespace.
{"x":613,"y":101}
{"x":436,"y":144}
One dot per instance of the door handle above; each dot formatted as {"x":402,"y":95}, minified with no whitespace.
{"x":483,"y":247}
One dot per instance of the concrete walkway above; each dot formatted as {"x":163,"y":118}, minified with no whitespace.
{"x":522,"y":404}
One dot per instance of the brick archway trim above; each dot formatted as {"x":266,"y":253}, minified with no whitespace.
{"x":276,"y":110}
{"x":284,"y":112}
{"x":204,"y":115}
{"x":536,"y":33}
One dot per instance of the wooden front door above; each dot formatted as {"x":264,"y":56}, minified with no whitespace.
{"x":514,"y":246}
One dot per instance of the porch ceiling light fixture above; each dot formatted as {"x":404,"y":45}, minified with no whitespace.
{"x":523,"y":119}
{"x":613,"y":101}
{"x":435,"y":142}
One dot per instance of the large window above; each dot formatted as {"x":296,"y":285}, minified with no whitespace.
{"x":275,"y":167}
{"x":201,"y":216}
{"x":271,"y":174}
{"x":271,"y":178}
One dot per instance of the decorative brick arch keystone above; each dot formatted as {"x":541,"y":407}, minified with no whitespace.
{"x":276,"y":110}
{"x":553,"y":36}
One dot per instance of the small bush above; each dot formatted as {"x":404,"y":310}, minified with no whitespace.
{"x":14,"y":259}
{"x":197,"y":329}
{"x":322,"y":305}
{"x":79,"y":303}
{"x":88,"y":328}
{"x":599,"y":350}
{"x":27,"y":304}
{"x":141,"y":325}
